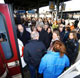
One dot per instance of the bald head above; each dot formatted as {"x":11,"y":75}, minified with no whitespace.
{"x":20,"y":28}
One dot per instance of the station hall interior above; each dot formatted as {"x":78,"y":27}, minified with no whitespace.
{"x":39,"y":38}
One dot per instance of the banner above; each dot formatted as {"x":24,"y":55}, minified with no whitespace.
{"x":31,"y":11}
{"x":51,"y":5}
{"x":63,"y":6}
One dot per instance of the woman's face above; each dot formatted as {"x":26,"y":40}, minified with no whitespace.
{"x":55,"y":36}
{"x":20,"y":28}
{"x":34,"y":29}
{"x":71,"y":36}
{"x":49,"y":30}
{"x":60,"y":29}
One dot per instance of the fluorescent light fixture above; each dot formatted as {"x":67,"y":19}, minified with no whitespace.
{"x":2,"y":2}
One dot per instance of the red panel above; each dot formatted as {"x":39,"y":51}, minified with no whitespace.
{"x":2,"y":67}
{"x":14,"y":70}
{"x":1,"y":51}
{"x":5,"y":11}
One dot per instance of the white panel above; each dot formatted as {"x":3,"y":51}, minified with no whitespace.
{"x":72,"y":72}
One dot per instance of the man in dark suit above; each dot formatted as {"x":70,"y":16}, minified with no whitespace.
{"x":43,"y":36}
{"x":22,"y":34}
{"x":33,"y":53}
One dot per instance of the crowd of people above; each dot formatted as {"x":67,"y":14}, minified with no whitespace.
{"x":49,"y":47}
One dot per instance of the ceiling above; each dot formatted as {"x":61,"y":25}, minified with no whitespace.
{"x":30,"y":4}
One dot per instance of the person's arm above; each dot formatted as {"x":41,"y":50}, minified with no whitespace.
{"x":42,"y":65}
{"x":26,"y":55}
{"x":47,"y":41}
{"x":77,"y":47}
{"x":28,"y":35}
{"x":67,"y":62}
{"x":44,"y":50}
{"x":76,"y":50}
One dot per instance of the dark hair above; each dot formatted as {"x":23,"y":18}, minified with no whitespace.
{"x":74,"y":35}
{"x":68,"y":29}
{"x":49,"y":28}
{"x":58,"y":46}
{"x":32,"y":28}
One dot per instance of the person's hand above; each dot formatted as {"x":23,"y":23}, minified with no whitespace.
{"x":1,"y":39}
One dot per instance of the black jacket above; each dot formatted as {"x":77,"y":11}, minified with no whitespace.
{"x":72,"y":48}
{"x":50,"y":37}
{"x":76,"y":23}
{"x":25,"y":37}
{"x":33,"y":52}
{"x":44,"y":37}
{"x":62,"y":34}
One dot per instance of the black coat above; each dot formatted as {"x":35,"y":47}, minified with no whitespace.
{"x":76,"y":23}
{"x":66,"y":36}
{"x":78,"y":36}
{"x":62,"y":34}
{"x":50,"y":37}
{"x":44,"y":37}
{"x":72,"y":48}
{"x":25,"y":37}
{"x":33,"y":52}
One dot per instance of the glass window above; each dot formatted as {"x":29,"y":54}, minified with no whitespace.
{"x":4,"y":39}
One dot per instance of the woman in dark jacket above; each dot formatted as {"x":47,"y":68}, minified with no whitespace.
{"x":72,"y":46}
{"x":61,"y":32}
{"x":50,"y":34}
{"x":66,"y":35}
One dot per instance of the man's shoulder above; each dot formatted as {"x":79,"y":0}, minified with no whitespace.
{"x":29,"y":43}
{"x":34,"y":42}
{"x":40,"y":42}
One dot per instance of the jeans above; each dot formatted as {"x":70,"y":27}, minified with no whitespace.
{"x":32,"y":71}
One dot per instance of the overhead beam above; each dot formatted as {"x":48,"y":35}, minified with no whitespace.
{"x":30,"y":4}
